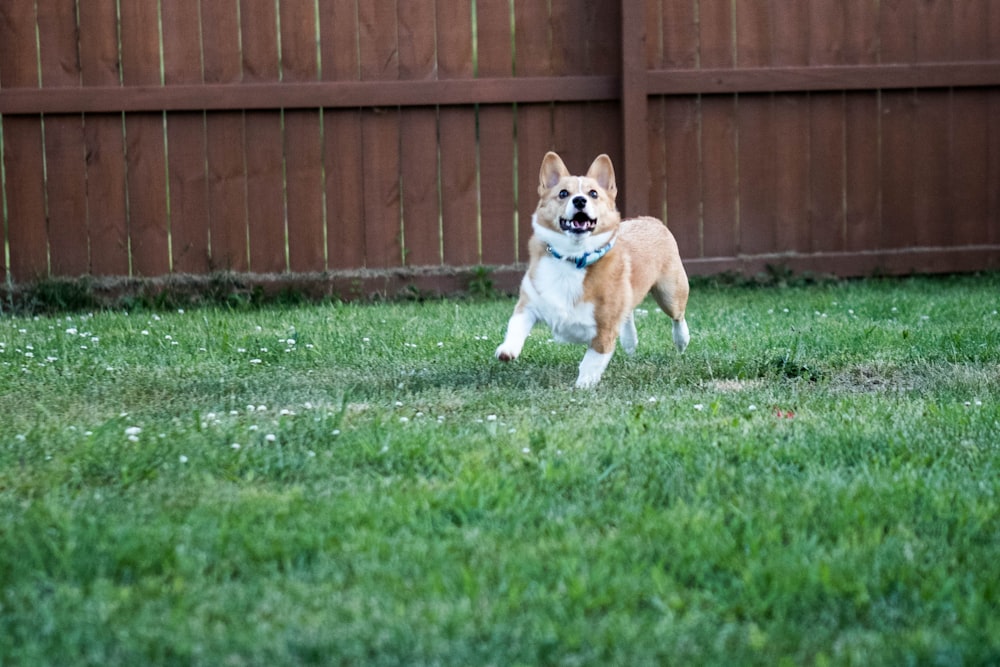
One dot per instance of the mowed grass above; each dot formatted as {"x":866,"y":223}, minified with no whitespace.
{"x":815,"y":481}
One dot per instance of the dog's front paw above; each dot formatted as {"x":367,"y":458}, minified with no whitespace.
{"x":506,"y":353}
{"x":592,"y":368}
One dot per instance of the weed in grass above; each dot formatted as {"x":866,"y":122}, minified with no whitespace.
{"x":814,"y":481}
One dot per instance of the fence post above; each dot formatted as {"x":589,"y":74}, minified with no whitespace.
{"x":634,"y":173}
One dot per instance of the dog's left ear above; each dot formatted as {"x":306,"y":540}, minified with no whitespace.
{"x":603,"y":172}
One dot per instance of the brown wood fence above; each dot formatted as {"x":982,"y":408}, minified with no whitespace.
{"x":152,"y":137}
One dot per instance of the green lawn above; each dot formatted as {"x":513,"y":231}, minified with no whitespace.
{"x":815,"y":481}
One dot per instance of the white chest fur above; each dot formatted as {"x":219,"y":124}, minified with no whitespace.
{"x":555,"y":292}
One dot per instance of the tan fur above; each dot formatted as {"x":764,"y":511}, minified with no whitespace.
{"x":644,"y":259}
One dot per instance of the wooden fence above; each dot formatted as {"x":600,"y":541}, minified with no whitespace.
{"x":156,"y":137}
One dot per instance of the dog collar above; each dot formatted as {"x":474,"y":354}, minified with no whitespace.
{"x":587,"y":258}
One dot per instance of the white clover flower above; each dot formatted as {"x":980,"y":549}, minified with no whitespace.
{"x":270,"y":437}
{"x":145,"y":332}
{"x":235,"y":446}
{"x":183,"y":459}
{"x":255,"y":361}
{"x":72,"y":331}
{"x":133,"y":430}
{"x":491,"y":418}
{"x":699,"y":407}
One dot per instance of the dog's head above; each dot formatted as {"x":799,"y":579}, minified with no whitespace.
{"x":577,"y":208}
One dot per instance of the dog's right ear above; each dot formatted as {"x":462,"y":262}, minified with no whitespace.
{"x":553,"y":170}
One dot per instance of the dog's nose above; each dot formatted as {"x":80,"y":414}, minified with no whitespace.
{"x":580,"y":203}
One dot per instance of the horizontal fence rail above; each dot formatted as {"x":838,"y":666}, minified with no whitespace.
{"x":366,"y":140}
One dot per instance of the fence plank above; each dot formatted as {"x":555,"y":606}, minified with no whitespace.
{"x":932,"y":206}
{"x":826,"y":111}
{"x":791,"y":112}
{"x":107,"y":216}
{"x":144,"y":143}
{"x":264,"y":148}
{"x":65,"y":172}
{"x":861,"y":133}
{"x":342,"y":147}
{"x":969,"y":160}
{"x":378,"y":48}
{"x":532,"y":40}
{"x":419,"y":138}
{"x":457,"y":137}
{"x":186,"y":150}
{"x":303,"y":149}
{"x":26,"y":235}
{"x":682,"y":120}
{"x":719,"y":136}
{"x":22,"y":148}
{"x":681,"y":131}
{"x":498,"y":202}
{"x":224,"y":141}
{"x":758,"y":136}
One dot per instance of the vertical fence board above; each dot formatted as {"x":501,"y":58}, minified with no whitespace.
{"x":264,"y":148}
{"x":65,"y":172}
{"x":756,"y":131}
{"x":827,"y":144}
{"x":457,"y":138}
{"x":683,"y":127}
{"x":378,"y":48}
{"x":303,"y":146}
{"x":992,"y":138}
{"x":969,"y":123}
{"x":791,"y":131}
{"x":532,"y":42}
{"x":224,"y":140}
{"x":22,"y":147}
{"x":896,"y":36}
{"x":498,"y":202}
{"x":342,"y":147}
{"x":25,"y":198}
{"x":144,"y":143}
{"x":186,"y":150}
{"x":932,"y":210}
{"x":861,"y":133}
{"x":682,"y":130}
{"x":107,"y":218}
{"x":419,"y":138}
{"x":719,"y":136}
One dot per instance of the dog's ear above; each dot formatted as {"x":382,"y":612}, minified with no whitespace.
{"x":603,"y":172}
{"x":553,"y":170}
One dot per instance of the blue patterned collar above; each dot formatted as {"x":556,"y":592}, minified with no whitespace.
{"x":587,"y":258}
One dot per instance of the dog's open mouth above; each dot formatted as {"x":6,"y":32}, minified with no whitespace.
{"x":580,"y":223}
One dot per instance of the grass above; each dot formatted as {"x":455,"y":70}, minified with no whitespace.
{"x":813,"y":482}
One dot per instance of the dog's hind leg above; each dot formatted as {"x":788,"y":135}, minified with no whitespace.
{"x":671,"y":295}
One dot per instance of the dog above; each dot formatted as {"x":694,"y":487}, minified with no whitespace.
{"x":589,"y":269}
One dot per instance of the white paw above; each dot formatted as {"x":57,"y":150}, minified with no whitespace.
{"x":592,"y":368}
{"x":681,"y":335}
{"x":507,"y":353}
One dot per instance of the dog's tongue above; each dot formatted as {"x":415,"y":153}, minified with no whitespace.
{"x":580,"y":221}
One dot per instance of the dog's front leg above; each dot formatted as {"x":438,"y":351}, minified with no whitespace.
{"x":518,"y":328}
{"x":596,"y":360}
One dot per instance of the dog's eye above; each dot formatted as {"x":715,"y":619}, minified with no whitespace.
{"x":563,"y":194}
{"x":593,"y":194}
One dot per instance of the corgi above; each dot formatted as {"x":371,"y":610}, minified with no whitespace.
{"x":589,"y":269}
